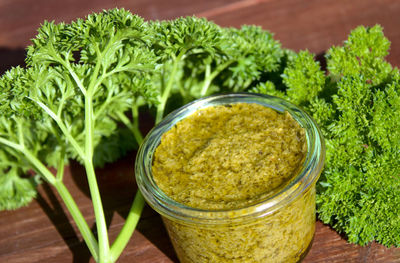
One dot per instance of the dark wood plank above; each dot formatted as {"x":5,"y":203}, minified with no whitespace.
{"x":314,"y":24}
{"x":330,"y":247}
{"x":19,"y":19}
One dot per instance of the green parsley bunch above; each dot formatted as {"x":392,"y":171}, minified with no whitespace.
{"x":85,"y":79}
{"x":356,"y":102}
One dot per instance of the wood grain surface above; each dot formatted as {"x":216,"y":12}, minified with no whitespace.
{"x":44,"y":231}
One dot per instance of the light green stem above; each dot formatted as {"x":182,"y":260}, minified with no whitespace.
{"x":77,"y":80}
{"x":40,"y":167}
{"x":210,"y":77}
{"x":11,"y":144}
{"x":62,"y":127}
{"x":32,"y":158}
{"x":60,"y":169}
{"x":20,"y":134}
{"x":134,"y":213}
{"x":92,"y":181}
{"x":167,"y":90}
{"x":129,"y":227}
{"x":133,"y":127}
{"x":80,"y":221}
{"x":207,"y":81}
{"x":104,"y":246}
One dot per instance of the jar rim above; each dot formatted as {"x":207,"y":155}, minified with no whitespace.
{"x":166,"y":206}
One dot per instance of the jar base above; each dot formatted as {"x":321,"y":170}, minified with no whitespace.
{"x":305,"y":253}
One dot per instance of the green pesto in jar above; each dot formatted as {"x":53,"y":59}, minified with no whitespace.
{"x":228,"y":157}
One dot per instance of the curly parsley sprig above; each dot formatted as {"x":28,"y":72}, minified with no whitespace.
{"x":357,"y":105}
{"x":84,"y":79}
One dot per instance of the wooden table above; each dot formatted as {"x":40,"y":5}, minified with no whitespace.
{"x":43,"y":231}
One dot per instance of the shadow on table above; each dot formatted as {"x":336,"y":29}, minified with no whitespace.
{"x":59,"y":219}
{"x":11,"y":58}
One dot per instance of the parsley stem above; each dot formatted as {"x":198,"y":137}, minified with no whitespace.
{"x":20,"y":133}
{"x":134,"y":213}
{"x":207,"y":81}
{"x":167,"y":90}
{"x":98,"y":212}
{"x":75,"y":77}
{"x":11,"y":144}
{"x":62,"y":127}
{"x":60,"y":169}
{"x":92,"y":181}
{"x":32,"y":158}
{"x":209,"y":77}
{"x":132,"y":126}
{"x":43,"y":171}
{"x":80,"y":221}
{"x":129,"y":227}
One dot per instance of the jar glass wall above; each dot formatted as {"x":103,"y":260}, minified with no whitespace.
{"x":277,"y":229}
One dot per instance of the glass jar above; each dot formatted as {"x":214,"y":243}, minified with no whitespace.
{"x":278,"y":229}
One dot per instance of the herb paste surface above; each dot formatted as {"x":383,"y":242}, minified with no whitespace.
{"x":229,"y":156}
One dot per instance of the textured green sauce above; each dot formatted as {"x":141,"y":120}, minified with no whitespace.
{"x":232,"y":156}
